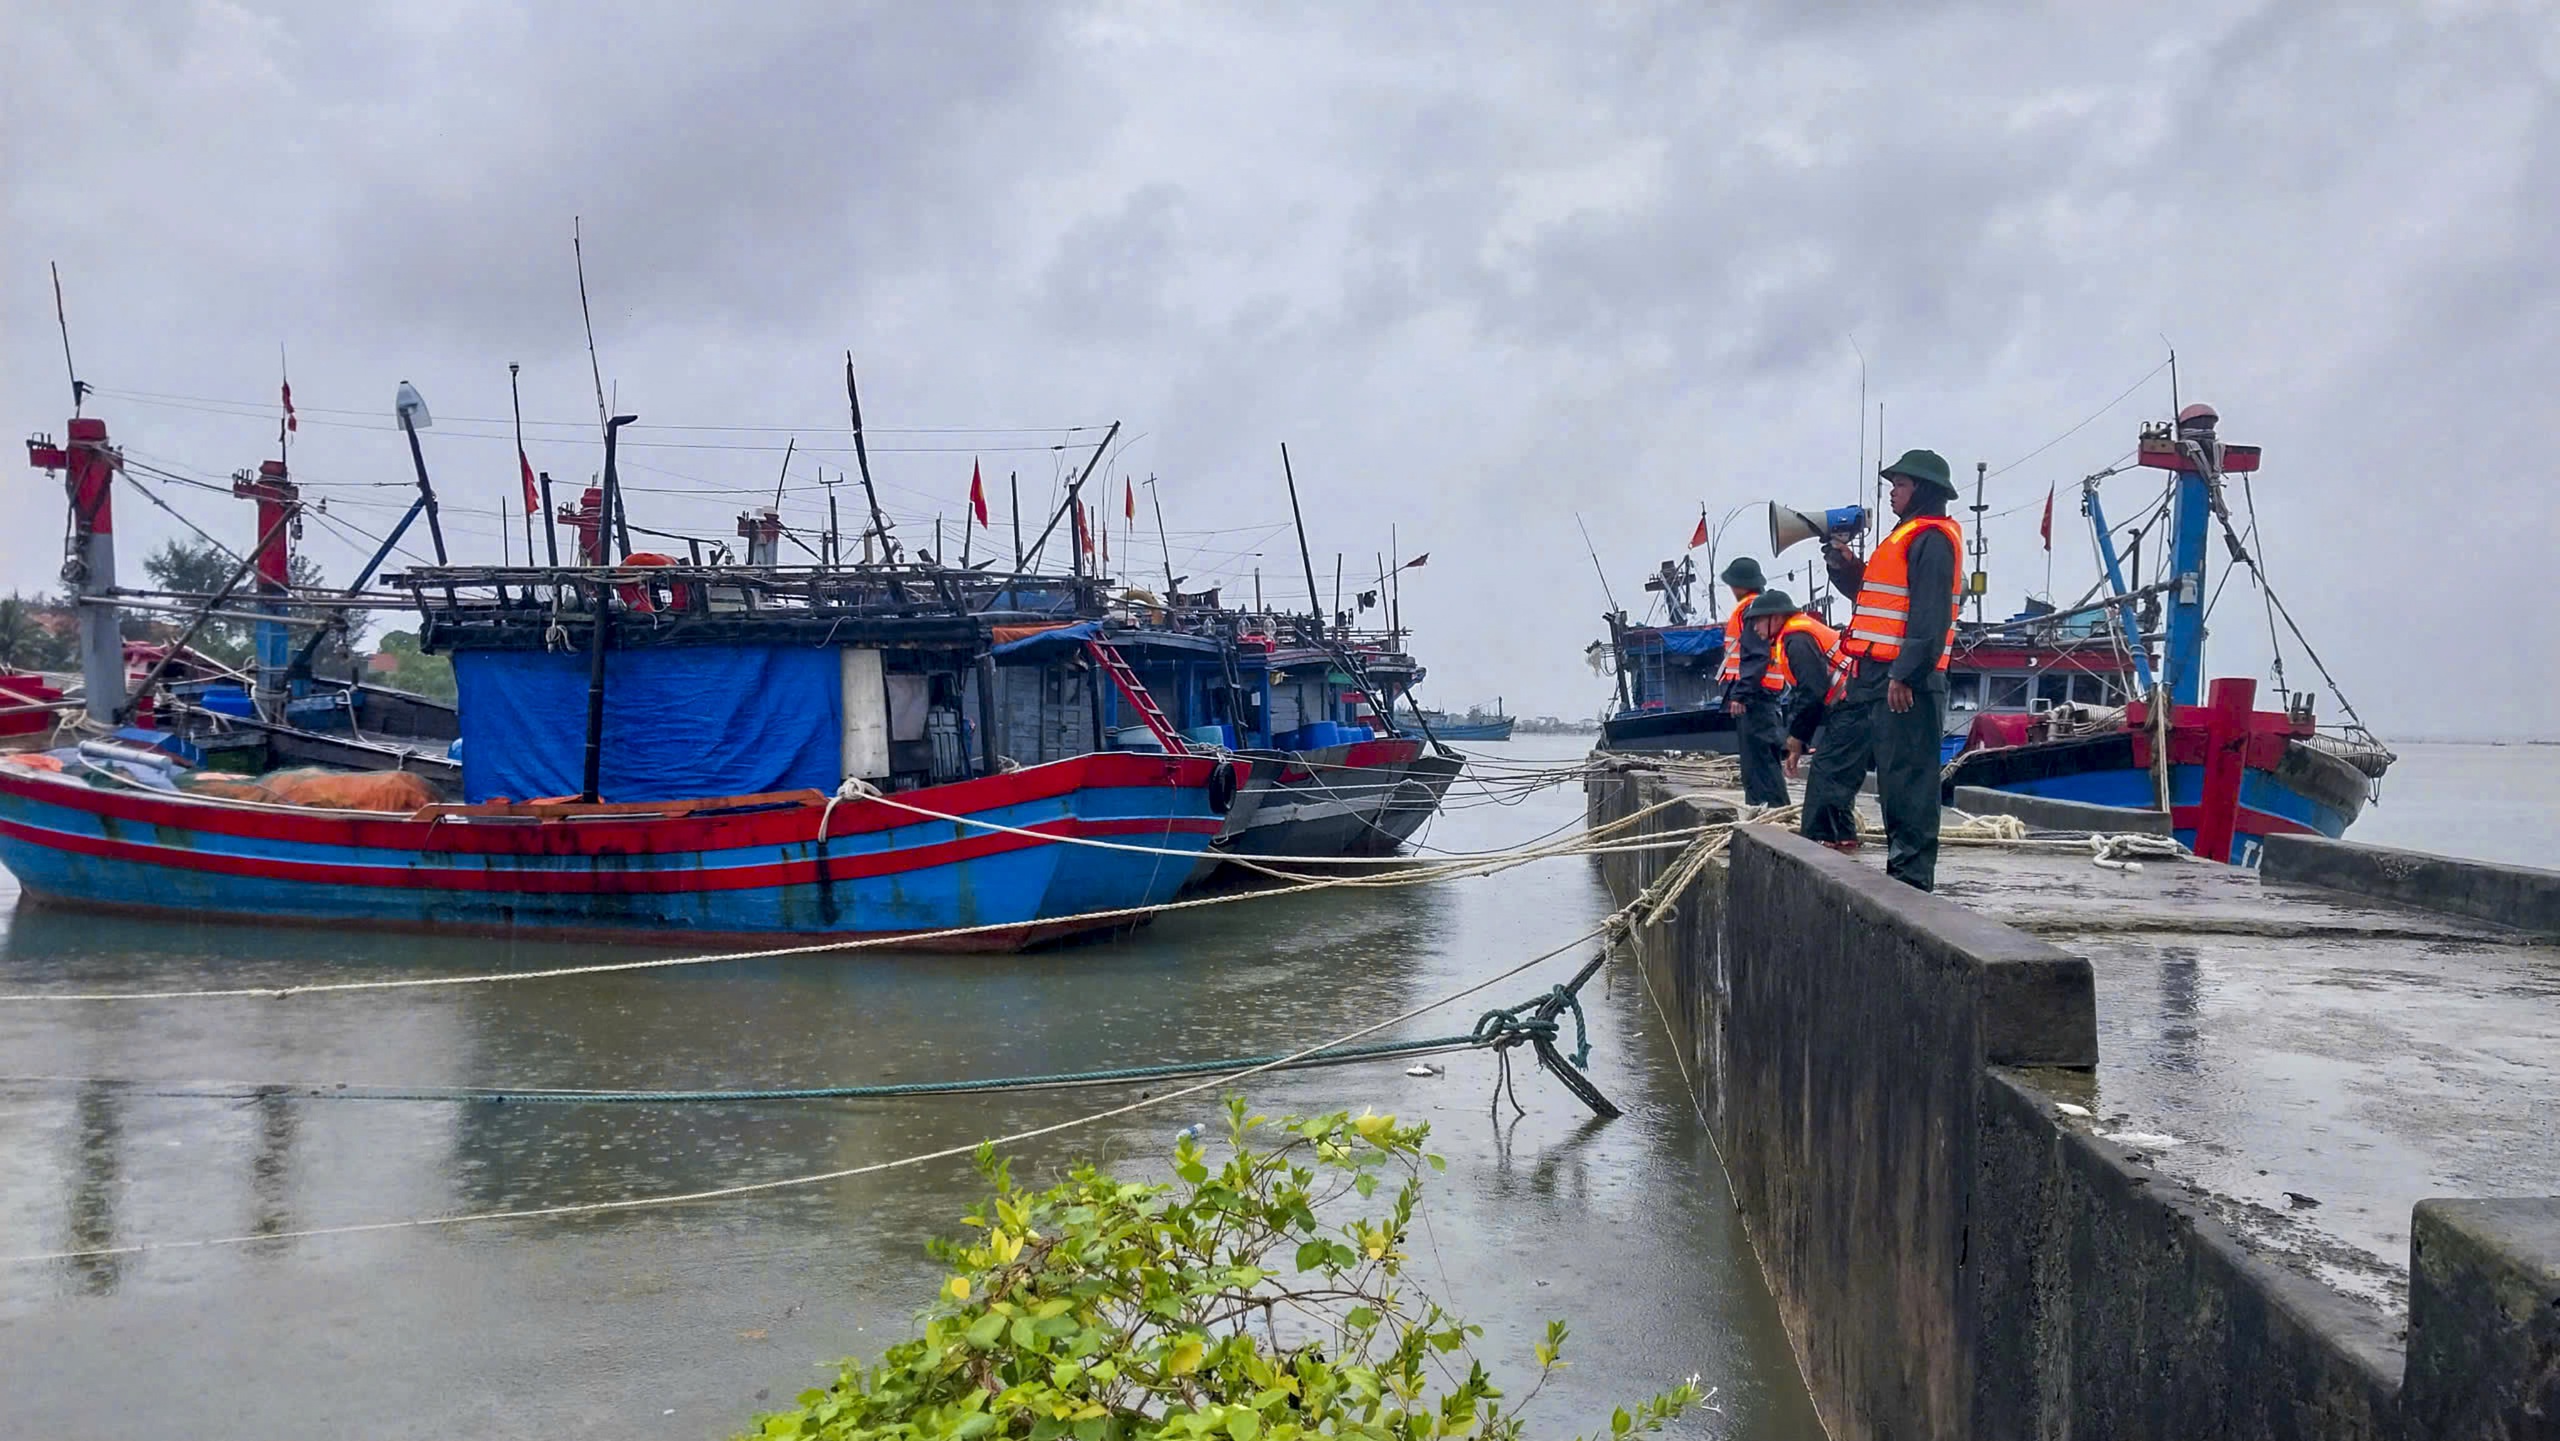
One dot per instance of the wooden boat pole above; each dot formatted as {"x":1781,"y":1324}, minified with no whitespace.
{"x":600,"y":598}
{"x":426,"y":488}
{"x":987,"y":714}
{"x":1315,"y":598}
{"x":1013,"y":481}
{"x":614,"y":516}
{"x":862,"y":459}
{"x":550,"y":538}
{"x":1171,"y":584}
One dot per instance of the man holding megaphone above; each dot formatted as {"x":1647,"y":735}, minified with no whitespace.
{"x":1895,"y":652}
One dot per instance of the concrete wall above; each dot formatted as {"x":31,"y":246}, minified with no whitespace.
{"x":2519,"y":896}
{"x":1952,"y":1259}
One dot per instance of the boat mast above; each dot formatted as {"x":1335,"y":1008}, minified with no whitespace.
{"x":88,"y":465}
{"x":862,"y":459}
{"x":279,"y":517}
{"x":1980,"y":581}
{"x":1315,"y":597}
{"x":2194,"y":456}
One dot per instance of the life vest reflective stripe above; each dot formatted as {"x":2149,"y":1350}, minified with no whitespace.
{"x":1781,"y":674}
{"x":1731,"y":670}
{"x":1876,"y":624}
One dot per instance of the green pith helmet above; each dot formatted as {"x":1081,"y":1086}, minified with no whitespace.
{"x":1769,"y":602}
{"x":1926,"y":467}
{"x":1743,"y":573}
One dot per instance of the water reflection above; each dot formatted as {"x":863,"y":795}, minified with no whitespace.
{"x":96,"y":1170}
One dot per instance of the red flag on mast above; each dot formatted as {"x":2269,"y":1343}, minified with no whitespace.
{"x":290,"y":422}
{"x":2047,"y":528}
{"x":1698,"y":537}
{"x":1128,"y":499}
{"x":524,"y":468}
{"x":977,"y":494}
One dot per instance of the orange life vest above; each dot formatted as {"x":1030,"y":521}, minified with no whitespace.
{"x":1782,"y":675}
{"x":1884,"y":598}
{"x":1731,"y":670}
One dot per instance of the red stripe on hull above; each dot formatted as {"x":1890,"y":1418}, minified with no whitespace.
{"x":670,"y":880}
{"x":612,"y":834}
{"x":1009,"y":938}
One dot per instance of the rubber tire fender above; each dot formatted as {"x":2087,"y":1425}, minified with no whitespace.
{"x":1223,"y":784}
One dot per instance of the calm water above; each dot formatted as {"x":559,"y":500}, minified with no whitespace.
{"x":673,"y":1322}
{"x":2489,"y":802}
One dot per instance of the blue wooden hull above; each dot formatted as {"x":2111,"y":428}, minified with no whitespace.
{"x":754,"y":866}
{"x":2285,"y":789}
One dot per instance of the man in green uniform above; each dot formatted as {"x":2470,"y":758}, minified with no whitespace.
{"x":1747,"y":699}
{"x":1895,"y":709}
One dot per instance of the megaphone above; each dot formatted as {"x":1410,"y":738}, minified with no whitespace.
{"x":1787,"y":525}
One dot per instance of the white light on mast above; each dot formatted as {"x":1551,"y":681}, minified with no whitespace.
{"x":411,"y":408}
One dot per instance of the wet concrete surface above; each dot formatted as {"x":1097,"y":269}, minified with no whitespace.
{"x":2313,"y":1064}
{"x":684,"y":1321}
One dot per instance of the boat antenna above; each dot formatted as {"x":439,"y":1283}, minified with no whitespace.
{"x":595,"y":371}
{"x":1315,"y":598}
{"x":1980,"y":580}
{"x":1597,"y":568}
{"x":792,"y":445}
{"x":1861,"y":480}
{"x":862,"y":458}
{"x":62,"y":322}
{"x":285,"y":423}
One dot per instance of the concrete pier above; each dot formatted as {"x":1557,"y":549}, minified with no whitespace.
{"x":2065,"y":1151}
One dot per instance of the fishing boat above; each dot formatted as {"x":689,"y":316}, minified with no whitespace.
{"x":988,"y":854}
{"x":1305,"y":710}
{"x":1478,"y":724}
{"x":2227,"y":773}
{"x":1668,"y":696}
{"x":643,"y":751}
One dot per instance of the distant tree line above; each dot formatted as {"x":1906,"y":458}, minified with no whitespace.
{"x":43,"y":632}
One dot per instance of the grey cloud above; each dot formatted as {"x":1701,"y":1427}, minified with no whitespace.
{"x":1482,"y":266}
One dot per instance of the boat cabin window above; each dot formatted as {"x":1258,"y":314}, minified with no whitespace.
{"x":2053,"y":690}
{"x":1964,"y":692}
{"x":2008,"y":692}
{"x":2097,"y":690}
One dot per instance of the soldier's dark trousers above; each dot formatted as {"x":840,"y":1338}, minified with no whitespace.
{"x":1863,"y":732}
{"x":1758,"y":736}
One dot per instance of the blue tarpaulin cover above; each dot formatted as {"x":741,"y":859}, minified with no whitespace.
{"x":1692,"y":640}
{"x":680,"y":722}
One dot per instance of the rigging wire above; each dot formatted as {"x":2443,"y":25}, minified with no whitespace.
{"x":2086,"y":423}
{"x":265,"y":410}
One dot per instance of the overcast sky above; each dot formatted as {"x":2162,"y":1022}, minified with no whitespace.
{"x":1481,"y":268}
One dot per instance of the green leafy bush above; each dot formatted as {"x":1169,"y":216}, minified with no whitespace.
{"x":1233,"y":1303}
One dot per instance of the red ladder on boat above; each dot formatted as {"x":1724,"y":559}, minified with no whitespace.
{"x":1134,"y":691}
